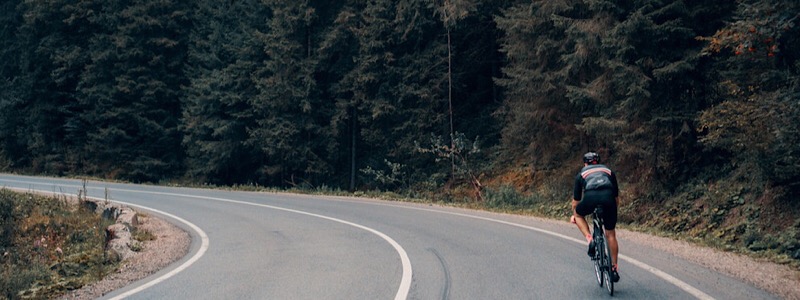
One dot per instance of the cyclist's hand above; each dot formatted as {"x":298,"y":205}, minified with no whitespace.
{"x":572,"y":219}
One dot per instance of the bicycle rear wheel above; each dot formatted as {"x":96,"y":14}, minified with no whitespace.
{"x":598,"y":261}
{"x":607,"y":264}
{"x":598,"y":271}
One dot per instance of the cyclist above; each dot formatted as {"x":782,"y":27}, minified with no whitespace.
{"x":598,"y":186}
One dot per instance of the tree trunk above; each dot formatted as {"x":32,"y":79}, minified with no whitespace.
{"x":353,"y":151}
{"x":450,"y":104}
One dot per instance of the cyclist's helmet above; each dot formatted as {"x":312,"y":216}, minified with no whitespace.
{"x":591,"y":158}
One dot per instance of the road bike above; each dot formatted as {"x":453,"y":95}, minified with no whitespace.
{"x":602,"y":253}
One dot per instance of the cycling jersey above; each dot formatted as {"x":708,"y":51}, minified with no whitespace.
{"x":595,"y":177}
{"x":597,"y":185}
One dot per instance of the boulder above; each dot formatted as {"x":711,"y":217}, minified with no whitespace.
{"x":118,"y":236}
{"x":120,"y":240}
{"x":128,"y":216}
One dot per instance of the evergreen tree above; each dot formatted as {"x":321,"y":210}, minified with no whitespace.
{"x":222,"y":56}
{"x":538,"y":120}
{"x":337,"y":49}
{"x":362,"y":91}
{"x":52,"y":41}
{"x":132,"y":87}
{"x":618,"y":78}
{"x":11,"y":148}
{"x":445,"y":74}
{"x":394,"y":92}
{"x":476,"y":62}
{"x":420,"y":93}
{"x":291,"y":117}
{"x":650,"y":82}
{"x":756,"y":86}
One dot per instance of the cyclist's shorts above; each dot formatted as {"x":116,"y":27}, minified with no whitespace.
{"x":604,"y":197}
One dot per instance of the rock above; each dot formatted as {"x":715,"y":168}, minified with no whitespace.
{"x":118,"y":235}
{"x":128,"y":216}
{"x":112,"y":256}
{"x":120,"y":240}
{"x":110,"y":212}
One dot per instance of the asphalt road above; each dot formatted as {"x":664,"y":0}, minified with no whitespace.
{"x":280,"y":246}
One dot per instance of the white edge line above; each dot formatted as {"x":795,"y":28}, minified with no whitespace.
{"x":405,"y":282}
{"x":663,"y":275}
{"x":203,"y":245}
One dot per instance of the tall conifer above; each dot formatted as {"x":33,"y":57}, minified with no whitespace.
{"x":755,"y":87}
{"x":132,"y":89}
{"x":291,"y":117}
{"x":223,"y":53}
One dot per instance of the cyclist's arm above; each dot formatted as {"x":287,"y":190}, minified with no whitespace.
{"x":577,"y":190}
{"x":577,"y":194}
{"x":572,"y":217}
{"x":616,"y":187}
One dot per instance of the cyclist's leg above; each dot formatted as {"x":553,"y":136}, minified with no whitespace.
{"x":583,"y":226}
{"x":610,"y":224}
{"x":583,"y":208}
{"x":580,"y":212}
{"x":611,"y":236}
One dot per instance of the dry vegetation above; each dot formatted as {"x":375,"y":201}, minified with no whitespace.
{"x":50,"y":245}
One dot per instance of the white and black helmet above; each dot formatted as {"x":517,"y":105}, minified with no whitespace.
{"x":591,"y":158}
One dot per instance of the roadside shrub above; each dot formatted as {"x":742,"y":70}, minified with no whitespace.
{"x":7,"y":224}
{"x":16,"y":280}
{"x":508,"y":197}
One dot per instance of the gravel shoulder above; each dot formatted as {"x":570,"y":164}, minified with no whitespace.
{"x":780,"y":280}
{"x":172,"y":243}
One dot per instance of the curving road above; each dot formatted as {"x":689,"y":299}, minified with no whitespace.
{"x":281,"y":246}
